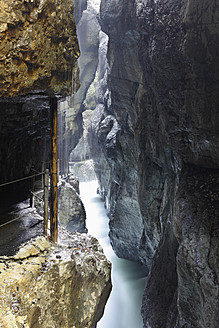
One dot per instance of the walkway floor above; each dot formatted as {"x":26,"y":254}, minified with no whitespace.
{"x":27,"y":223}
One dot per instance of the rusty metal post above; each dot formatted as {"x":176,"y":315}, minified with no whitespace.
{"x":32,"y":179}
{"x":46,"y":200}
{"x":53,"y":172}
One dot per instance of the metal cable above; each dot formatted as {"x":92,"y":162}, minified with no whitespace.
{"x":33,"y":193}
{"x":4,"y":224}
{"x":35,"y":170}
{"x":29,"y":177}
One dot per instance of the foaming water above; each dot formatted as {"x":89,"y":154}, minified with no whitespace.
{"x":128,"y":278}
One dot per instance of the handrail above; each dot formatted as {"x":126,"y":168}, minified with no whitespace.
{"x":16,"y":219}
{"x":35,"y":171}
{"x":22,"y":179}
{"x":33,"y":193}
{"x":18,"y":180}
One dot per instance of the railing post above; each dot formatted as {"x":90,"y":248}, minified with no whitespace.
{"x":43,"y":175}
{"x":31,"y":185}
{"x":53,"y":171}
{"x":46,"y":200}
{"x":58,"y":169}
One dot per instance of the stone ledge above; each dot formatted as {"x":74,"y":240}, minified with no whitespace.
{"x":55,"y":285}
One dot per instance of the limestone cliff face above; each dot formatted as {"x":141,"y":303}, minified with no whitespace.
{"x":180,"y":114}
{"x":158,"y":138}
{"x":113,"y":124}
{"x":39,"y":46}
{"x":70,"y":284}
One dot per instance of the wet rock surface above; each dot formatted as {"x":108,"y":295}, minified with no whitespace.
{"x":84,"y":170}
{"x":81,"y":163}
{"x":88,"y":29}
{"x":196,"y":227}
{"x":157,"y":143}
{"x":71,"y":210}
{"x":25,"y":224}
{"x":63,"y":285}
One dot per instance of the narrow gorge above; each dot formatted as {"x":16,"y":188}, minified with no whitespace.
{"x":137,"y":83}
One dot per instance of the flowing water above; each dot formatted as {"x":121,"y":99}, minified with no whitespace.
{"x":128,"y":278}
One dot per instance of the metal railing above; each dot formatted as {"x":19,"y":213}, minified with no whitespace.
{"x":53,"y":176}
{"x":45,"y":199}
{"x":18,"y":180}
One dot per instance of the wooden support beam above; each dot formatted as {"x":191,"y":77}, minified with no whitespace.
{"x":53,"y":171}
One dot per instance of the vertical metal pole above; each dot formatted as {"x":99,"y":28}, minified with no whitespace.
{"x":46,"y":200}
{"x":31,"y":185}
{"x":53,"y":178}
{"x":43,"y":175}
{"x":58,"y":169}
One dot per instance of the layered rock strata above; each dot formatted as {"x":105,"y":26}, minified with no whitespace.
{"x":157,"y":152}
{"x":70,"y":284}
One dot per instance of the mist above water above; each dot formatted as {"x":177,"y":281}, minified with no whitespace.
{"x":128,"y":278}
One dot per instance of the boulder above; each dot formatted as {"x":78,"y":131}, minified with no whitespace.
{"x":55,"y":285}
{"x":71,"y":210}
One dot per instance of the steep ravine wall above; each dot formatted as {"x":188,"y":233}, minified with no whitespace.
{"x":157,"y":152}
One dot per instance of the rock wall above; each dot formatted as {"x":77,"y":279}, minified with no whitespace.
{"x":88,"y":29}
{"x":157,"y":152}
{"x":70,"y":284}
{"x":39,"y":46}
{"x":25,"y":139}
{"x":38,"y":57}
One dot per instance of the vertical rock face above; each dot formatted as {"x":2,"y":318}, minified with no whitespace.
{"x":38,"y":56}
{"x":158,"y":140}
{"x":114,"y":126}
{"x":88,"y":29}
{"x":24,"y":138}
{"x":196,"y":227}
